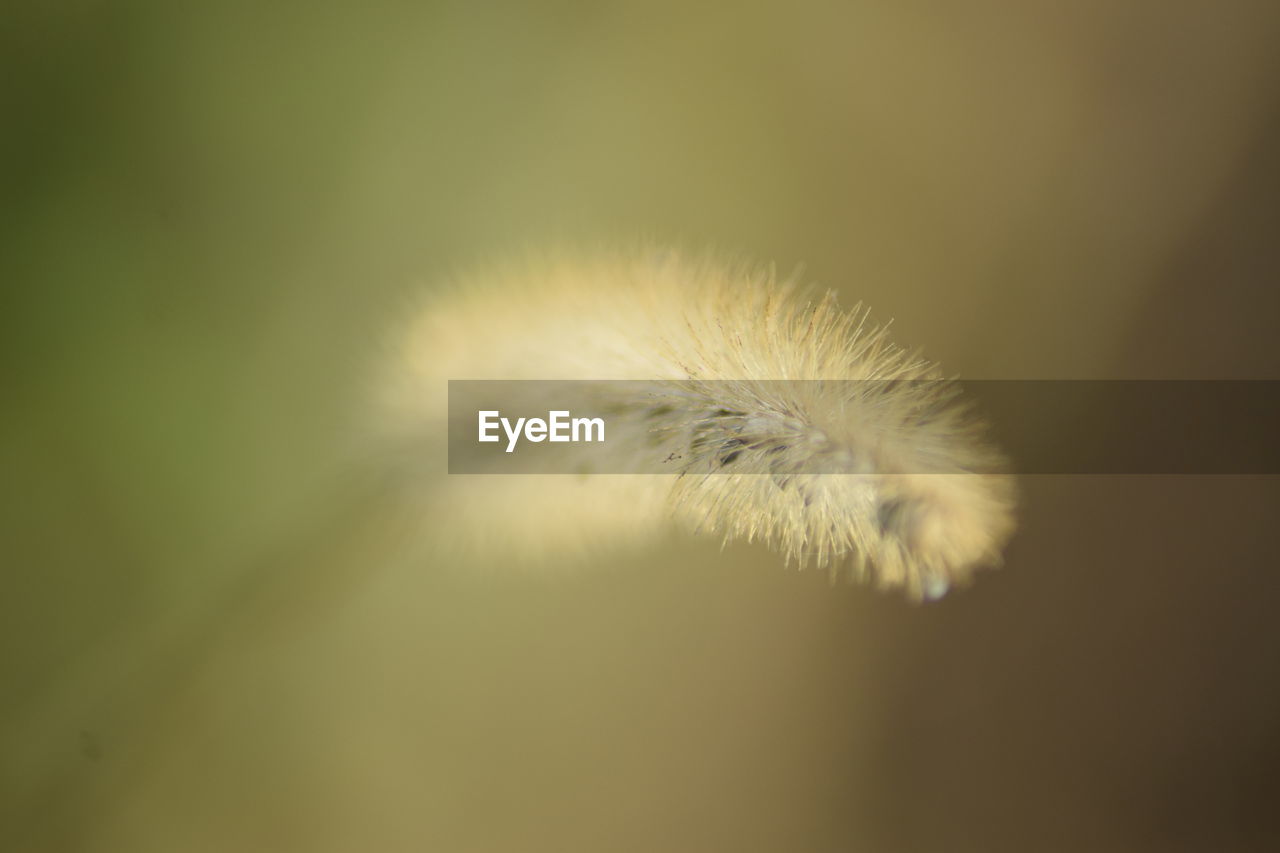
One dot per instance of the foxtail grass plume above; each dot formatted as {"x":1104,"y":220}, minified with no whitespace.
{"x":886,"y":478}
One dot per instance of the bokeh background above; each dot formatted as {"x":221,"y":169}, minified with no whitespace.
{"x":212,"y":638}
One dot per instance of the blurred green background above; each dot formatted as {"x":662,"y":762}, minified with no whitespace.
{"x":212,"y":214}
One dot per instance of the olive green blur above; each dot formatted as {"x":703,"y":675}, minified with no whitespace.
{"x":215,"y":634}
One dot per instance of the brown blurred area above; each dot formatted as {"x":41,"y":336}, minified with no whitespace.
{"x":213,"y":638}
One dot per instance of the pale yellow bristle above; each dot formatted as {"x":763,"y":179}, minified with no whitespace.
{"x":855,"y":477}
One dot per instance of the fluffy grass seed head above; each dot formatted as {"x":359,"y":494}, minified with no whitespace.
{"x":797,"y":423}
